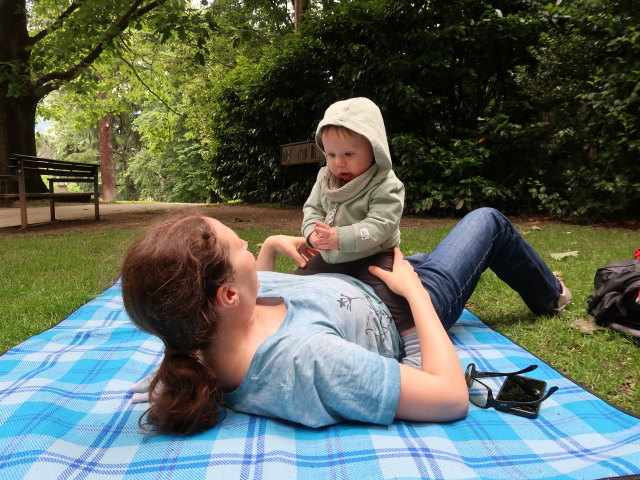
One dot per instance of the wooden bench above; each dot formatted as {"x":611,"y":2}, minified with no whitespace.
{"x":59,"y":172}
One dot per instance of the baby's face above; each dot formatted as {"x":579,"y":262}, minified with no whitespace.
{"x":349,"y":154}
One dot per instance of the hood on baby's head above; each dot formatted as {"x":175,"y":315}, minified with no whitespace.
{"x":362,"y":116}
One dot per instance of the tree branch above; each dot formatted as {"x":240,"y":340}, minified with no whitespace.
{"x":49,"y":82}
{"x":276,"y":6}
{"x":148,"y":87}
{"x":56,"y":24}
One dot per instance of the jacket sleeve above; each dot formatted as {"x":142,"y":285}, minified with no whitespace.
{"x":313,"y":210}
{"x":382,"y":223}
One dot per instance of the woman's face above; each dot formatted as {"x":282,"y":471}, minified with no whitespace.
{"x":242,"y":260}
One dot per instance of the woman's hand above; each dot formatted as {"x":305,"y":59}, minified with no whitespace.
{"x":438,"y":392}
{"x":293,"y":247}
{"x":403,"y":279}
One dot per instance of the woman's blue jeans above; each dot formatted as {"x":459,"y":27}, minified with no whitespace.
{"x":483,"y":239}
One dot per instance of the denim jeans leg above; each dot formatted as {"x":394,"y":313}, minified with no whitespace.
{"x":483,"y":239}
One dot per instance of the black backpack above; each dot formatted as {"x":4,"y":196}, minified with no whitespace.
{"x":615,"y":300}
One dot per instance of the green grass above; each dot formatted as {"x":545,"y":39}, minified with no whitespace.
{"x":45,"y":277}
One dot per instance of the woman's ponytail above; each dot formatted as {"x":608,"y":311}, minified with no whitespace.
{"x":185,"y":395}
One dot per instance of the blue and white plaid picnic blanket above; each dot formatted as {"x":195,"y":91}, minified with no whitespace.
{"x":65,"y":412}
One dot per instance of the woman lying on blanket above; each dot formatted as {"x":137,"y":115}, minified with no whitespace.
{"x":319,"y":349}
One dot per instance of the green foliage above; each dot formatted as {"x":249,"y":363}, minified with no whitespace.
{"x":251,"y":123}
{"x":140,"y":87}
{"x":434,"y":70}
{"x":66,"y":39}
{"x":517,"y":105}
{"x":68,"y":140}
{"x":173,"y":176}
{"x":587,"y":86}
{"x":512,"y":105}
{"x":156,"y":85}
{"x":451,"y":179}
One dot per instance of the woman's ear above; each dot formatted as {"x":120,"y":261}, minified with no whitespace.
{"x":227,"y":296}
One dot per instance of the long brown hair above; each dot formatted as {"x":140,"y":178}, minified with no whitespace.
{"x":170,"y":277}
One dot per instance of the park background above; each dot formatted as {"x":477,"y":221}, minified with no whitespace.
{"x":522,"y":105}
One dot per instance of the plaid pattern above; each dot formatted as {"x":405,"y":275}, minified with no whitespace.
{"x":65,"y":413}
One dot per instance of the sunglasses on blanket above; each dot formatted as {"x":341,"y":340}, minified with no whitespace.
{"x":518,"y":395}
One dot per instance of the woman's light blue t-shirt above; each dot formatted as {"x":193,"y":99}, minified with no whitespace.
{"x":334,"y":358}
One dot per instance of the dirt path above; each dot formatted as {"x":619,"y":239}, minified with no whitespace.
{"x":138,"y":216}
{"x":135,"y":216}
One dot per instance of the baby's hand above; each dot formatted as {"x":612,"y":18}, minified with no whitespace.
{"x":325,"y":237}
{"x":323,"y":230}
{"x":314,"y":240}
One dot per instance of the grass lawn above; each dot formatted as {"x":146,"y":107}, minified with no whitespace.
{"x":47,"y":276}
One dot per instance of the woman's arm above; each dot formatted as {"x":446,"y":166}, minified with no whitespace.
{"x":438,"y":392}
{"x":312,"y":210}
{"x":293,"y":247}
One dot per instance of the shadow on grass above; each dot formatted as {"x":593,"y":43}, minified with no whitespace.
{"x":500,"y":320}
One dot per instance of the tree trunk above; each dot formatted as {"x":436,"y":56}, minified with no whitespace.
{"x":17,"y":135}
{"x":128,"y":190}
{"x":300,"y":7}
{"x":18,"y":107}
{"x":106,"y":159}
